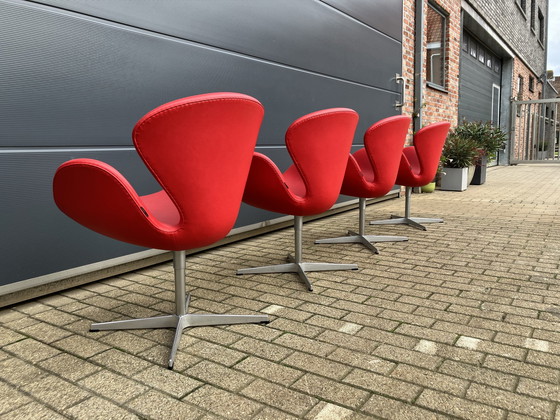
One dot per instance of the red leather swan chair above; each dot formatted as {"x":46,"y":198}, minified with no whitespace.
{"x":319,"y":144}
{"x":199,"y":149}
{"x":418,"y":167}
{"x":371,"y":172}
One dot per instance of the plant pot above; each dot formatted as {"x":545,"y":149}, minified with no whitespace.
{"x":429,"y":188}
{"x":470,"y":174}
{"x":454,"y":179}
{"x":542,"y":154}
{"x":480,"y":171}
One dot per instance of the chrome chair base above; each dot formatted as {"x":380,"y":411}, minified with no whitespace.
{"x":181,"y":319}
{"x":300,"y":268}
{"x":415,"y":222}
{"x":295,"y":263}
{"x":361,"y":237}
{"x":365,"y":240}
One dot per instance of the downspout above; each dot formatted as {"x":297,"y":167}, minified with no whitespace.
{"x":418,"y":64}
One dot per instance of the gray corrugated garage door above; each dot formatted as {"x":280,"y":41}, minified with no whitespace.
{"x":479,"y":81}
{"x":75,"y":75}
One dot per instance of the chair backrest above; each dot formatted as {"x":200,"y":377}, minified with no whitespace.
{"x":319,"y":144}
{"x":200,"y":149}
{"x":384,"y":142}
{"x":428,"y":143}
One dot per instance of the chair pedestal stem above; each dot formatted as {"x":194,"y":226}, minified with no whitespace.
{"x":361,"y":237}
{"x":295,"y":263}
{"x":182,"y":319}
{"x":415,"y":222}
{"x":179,"y":270}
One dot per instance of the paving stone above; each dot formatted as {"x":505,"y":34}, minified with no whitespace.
{"x":270,"y":371}
{"x":304,"y":344}
{"x":458,"y":407}
{"x":8,"y":336}
{"x":478,"y":374}
{"x":168,"y":381}
{"x":12,"y":398}
{"x":544,"y":390}
{"x":361,"y":360}
{"x":81,"y":346}
{"x":318,"y":365}
{"x":100,"y":409}
{"x":398,"y":354}
{"x":223,"y":403}
{"x":156,"y":405}
{"x":33,"y":410}
{"x":126,"y":341}
{"x":69,"y":367}
{"x":55,"y":392}
{"x":329,"y":411}
{"x":544,"y":359}
{"x":388,"y":408}
{"x":522,"y":369}
{"x":294,"y":402}
{"x":430,"y":379}
{"x":214,"y":352}
{"x":509,"y":401}
{"x":112,"y":386}
{"x":45,"y":332}
{"x":120,"y":362}
{"x":262,"y":349}
{"x":426,"y":333}
{"x":383,"y":385}
{"x":31,"y":350}
{"x":334,"y":391}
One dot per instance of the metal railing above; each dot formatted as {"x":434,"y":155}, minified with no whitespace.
{"x":534,"y":131}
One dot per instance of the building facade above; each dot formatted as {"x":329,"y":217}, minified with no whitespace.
{"x":466,"y":59}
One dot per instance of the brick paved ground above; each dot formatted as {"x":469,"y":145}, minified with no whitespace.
{"x":461,"y":321}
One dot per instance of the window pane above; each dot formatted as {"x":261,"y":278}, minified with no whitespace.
{"x":435,"y":60}
{"x":497,"y":65}
{"x":481,"y":55}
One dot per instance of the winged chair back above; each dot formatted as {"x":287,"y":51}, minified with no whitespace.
{"x":319,"y":144}
{"x":420,"y":162}
{"x":199,"y":149}
{"x":377,"y":162}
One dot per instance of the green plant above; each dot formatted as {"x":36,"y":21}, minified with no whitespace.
{"x":459,"y":151}
{"x":488,"y":139}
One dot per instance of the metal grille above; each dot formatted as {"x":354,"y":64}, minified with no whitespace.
{"x":534,"y":131}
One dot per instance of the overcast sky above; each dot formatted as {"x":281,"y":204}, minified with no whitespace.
{"x":554,"y":36}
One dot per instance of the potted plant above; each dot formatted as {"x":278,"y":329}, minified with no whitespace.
{"x":459,"y":152}
{"x":488,"y":140}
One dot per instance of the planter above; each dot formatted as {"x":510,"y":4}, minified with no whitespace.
{"x":480,"y":171}
{"x":470,"y":174}
{"x":542,"y":154}
{"x":428,"y":188}
{"x":454,"y":179}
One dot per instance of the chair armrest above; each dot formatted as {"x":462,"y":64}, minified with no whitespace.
{"x":266,"y":188}
{"x":98,"y":197}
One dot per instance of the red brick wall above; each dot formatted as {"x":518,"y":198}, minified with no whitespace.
{"x":437,"y":105}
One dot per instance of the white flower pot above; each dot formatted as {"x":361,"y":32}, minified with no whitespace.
{"x":454,"y":179}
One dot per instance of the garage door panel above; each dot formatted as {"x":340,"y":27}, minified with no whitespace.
{"x":90,"y":90}
{"x":475,"y":89}
{"x":306,"y":34}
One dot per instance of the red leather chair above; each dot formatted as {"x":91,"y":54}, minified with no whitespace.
{"x":199,"y":149}
{"x":319,"y":144}
{"x":418,"y":167}
{"x":371,"y":172}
